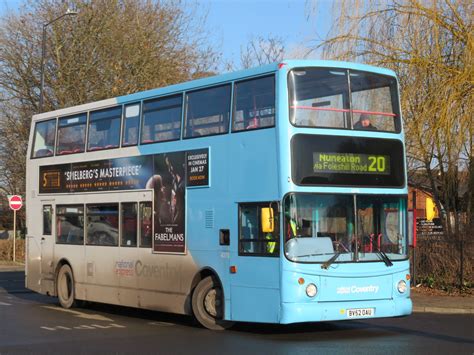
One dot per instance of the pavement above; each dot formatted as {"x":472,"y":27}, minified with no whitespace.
{"x":442,"y":304}
{"x":10,"y":267}
{"x":422,"y":302}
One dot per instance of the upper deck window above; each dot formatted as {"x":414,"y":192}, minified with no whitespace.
{"x":104,"y":129}
{"x":131,"y":124}
{"x":208,"y":111}
{"x":254,"y":104}
{"x":374,"y":98}
{"x":162,"y":119}
{"x":44,"y":138}
{"x":71,"y":134}
{"x":340,"y":98}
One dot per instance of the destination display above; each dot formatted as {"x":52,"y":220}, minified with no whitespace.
{"x":167,"y":174}
{"x":347,"y":161}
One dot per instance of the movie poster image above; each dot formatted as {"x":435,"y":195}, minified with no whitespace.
{"x":197,"y":167}
{"x":168,"y":183}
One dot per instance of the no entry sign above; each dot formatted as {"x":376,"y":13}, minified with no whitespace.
{"x":15,"y":202}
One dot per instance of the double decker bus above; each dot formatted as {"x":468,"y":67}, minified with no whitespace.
{"x":275,"y":195}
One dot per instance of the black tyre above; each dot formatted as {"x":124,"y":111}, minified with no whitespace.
{"x":65,"y":287}
{"x":208,"y":304}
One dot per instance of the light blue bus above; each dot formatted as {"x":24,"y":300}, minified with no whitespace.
{"x":274,"y":195}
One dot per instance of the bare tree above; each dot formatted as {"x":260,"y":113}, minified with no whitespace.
{"x":430,"y":45}
{"x":111,"y":48}
{"x":262,"y":50}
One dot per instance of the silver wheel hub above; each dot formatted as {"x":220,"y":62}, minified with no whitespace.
{"x":212,"y":302}
{"x":65,"y":287}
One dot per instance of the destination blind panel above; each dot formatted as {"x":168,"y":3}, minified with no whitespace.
{"x":347,"y":161}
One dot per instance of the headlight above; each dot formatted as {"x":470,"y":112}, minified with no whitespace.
{"x":402,"y":286}
{"x":311,"y":290}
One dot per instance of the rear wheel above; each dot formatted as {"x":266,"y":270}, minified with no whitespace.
{"x":65,"y":287}
{"x":208,"y":304}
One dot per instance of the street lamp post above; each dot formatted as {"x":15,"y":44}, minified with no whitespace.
{"x":43,"y":50}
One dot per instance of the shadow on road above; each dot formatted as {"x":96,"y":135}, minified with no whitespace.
{"x":12,"y":282}
{"x":425,"y":334}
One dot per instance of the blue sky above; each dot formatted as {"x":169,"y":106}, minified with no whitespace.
{"x":235,"y":22}
{"x":232,"y":23}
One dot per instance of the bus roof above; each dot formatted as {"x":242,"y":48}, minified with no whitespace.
{"x":209,"y":81}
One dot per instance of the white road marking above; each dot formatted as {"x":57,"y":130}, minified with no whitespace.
{"x":4,"y":304}
{"x":56,"y":328}
{"x":162,"y":324}
{"x":111,"y":325}
{"x":81,"y":314}
{"x":48,"y":328}
{"x":84,"y":327}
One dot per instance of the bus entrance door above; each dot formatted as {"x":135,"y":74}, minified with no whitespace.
{"x":255,"y":269}
{"x":47,"y":247}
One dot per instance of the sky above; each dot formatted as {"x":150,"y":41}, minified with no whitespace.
{"x":232,"y":23}
{"x":235,"y":22}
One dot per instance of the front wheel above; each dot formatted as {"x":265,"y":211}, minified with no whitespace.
{"x":208,"y":305}
{"x":65,"y":287}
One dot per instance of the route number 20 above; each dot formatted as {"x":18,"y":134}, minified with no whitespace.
{"x":376,"y":164}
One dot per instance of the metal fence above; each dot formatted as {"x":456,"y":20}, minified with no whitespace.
{"x":443,"y":263}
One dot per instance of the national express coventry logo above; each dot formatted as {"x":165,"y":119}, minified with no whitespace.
{"x":138,"y":268}
{"x":346,"y":290}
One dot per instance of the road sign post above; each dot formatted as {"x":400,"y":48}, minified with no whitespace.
{"x":14,"y":236}
{"x":15,"y":203}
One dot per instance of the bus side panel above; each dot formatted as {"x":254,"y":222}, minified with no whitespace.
{"x":99,"y":274}
{"x":255,"y":287}
{"x":164,"y":281}
{"x":33,"y":260}
{"x":33,"y":239}
{"x":208,"y":211}
{"x":74,"y":256}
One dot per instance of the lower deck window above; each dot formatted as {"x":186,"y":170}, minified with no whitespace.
{"x":70,"y":224}
{"x":47,"y":219}
{"x":129,"y":224}
{"x":102,"y":224}
{"x":146,"y":226}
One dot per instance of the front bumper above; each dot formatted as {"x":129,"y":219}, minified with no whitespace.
{"x":330,"y":311}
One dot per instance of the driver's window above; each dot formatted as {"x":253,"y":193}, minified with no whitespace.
{"x":252,"y":240}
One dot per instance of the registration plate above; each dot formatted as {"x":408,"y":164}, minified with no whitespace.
{"x":360,"y":312}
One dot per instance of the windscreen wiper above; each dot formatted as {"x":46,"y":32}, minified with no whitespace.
{"x":330,"y":261}
{"x":318,"y":254}
{"x":384,"y":257}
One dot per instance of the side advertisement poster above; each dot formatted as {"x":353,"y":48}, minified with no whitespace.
{"x":168,"y":174}
{"x":168,"y":184}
